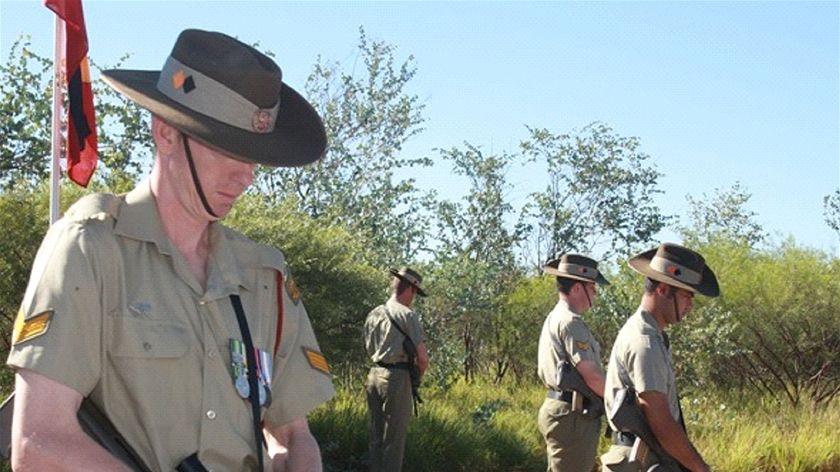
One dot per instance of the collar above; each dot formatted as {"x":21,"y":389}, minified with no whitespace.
{"x":649,"y":325}
{"x":563,"y":306}
{"x":396,"y":304}
{"x":139,"y":220}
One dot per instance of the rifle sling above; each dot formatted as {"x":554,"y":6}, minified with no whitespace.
{"x":394,"y":322}
{"x":414,"y":395}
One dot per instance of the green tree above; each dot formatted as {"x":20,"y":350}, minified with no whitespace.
{"x":25,"y":122}
{"x":475,"y":259}
{"x":785,"y":305}
{"x":831,"y":204}
{"x":599,"y":197}
{"x":25,"y":91}
{"x":723,"y":217}
{"x":368,"y":117}
{"x":723,"y":229}
{"x":518,"y":325}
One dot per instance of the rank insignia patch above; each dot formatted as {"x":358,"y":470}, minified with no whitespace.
{"x":35,"y":326}
{"x":582,"y":346}
{"x":292,"y":289}
{"x":317,"y":360}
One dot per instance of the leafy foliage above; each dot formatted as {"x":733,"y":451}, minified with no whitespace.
{"x":25,"y":106}
{"x":831,"y":204}
{"x":723,"y":217}
{"x":124,"y":133}
{"x":783,"y":331}
{"x":599,"y":196}
{"x":475,"y":261}
{"x":368,"y":118}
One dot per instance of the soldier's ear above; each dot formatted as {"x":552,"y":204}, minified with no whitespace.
{"x":165,"y":135}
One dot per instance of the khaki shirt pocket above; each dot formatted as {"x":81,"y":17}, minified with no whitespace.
{"x":150,"y":339}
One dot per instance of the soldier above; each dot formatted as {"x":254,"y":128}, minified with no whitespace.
{"x":571,"y":432}
{"x":389,"y":384}
{"x":641,"y":356}
{"x":178,"y":328}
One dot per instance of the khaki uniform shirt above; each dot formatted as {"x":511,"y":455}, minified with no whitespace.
{"x":113,"y":311}
{"x":640,"y":359}
{"x":564,"y":336}
{"x":383,"y":341}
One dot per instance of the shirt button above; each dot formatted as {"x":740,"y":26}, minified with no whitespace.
{"x":211,"y":354}
{"x":202,"y":302}
{"x":211,"y":414}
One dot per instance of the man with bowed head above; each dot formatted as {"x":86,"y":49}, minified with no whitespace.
{"x":641,"y":356}
{"x":391,"y":331}
{"x":190,"y":337}
{"x":571,"y":430}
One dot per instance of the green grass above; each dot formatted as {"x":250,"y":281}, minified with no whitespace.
{"x":769,"y":436}
{"x":467,"y":428}
{"x":487,"y":427}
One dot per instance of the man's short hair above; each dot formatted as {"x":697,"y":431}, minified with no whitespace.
{"x":565,"y":284}
{"x":650,"y":285}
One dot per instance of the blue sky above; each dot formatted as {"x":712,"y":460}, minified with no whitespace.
{"x":718,"y":92}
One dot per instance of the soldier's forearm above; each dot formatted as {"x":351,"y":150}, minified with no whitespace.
{"x":675,"y":442}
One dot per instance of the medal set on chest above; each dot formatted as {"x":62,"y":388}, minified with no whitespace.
{"x":239,"y":364}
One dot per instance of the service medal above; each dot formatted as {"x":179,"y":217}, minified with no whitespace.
{"x":263,"y":394}
{"x":242,"y":387}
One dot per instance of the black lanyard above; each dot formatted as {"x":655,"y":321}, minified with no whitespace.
{"x":254,"y":394}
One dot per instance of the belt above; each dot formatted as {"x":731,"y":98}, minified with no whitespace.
{"x":395,"y":365}
{"x":624,"y":439}
{"x":563,"y":396}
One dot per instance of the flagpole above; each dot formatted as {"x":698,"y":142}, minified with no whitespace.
{"x":55,"y":168}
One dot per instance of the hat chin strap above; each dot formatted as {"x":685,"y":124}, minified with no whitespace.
{"x":676,"y":309}
{"x":586,"y":292}
{"x":196,"y":182}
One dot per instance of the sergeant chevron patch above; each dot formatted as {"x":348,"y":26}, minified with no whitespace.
{"x":317,"y":360}
{"x":26,"y":329}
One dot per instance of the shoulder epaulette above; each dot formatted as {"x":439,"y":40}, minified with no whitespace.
{"x":261,"y":255}
{"x":97,"y":206}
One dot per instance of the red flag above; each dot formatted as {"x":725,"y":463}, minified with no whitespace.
{"x":81,"y":121}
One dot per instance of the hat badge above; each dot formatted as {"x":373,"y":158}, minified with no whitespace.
{"x":261,"y":122}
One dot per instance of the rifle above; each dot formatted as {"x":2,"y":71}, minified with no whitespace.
{"x":628,"y":418}
{"x":93,"y":422}
{"x":411,"y":352}
{"x":569,"y":379}
{"x":413,"y":370}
